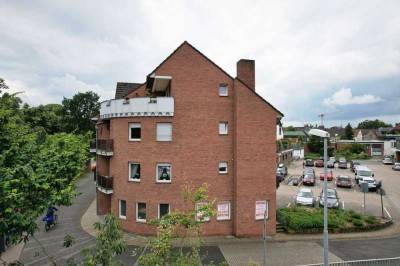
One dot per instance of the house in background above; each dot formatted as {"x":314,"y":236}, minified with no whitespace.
{"x":365,"y":134}
{"x":190,"y":121}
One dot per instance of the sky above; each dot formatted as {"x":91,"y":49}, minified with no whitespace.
{"x":337,"y":58}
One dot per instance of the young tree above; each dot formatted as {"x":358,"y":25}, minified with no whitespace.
{"x":179,"y":226}
{"x":78,"y":111}
{"x":348,"y":132}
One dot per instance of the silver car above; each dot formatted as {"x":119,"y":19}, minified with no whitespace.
{"x":387,"y":160}
{"x":332,"y":198}
{"x":305,"y":197}
{"x":396,"y":166}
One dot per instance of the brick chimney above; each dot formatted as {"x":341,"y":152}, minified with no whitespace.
{"x":245,"y":71}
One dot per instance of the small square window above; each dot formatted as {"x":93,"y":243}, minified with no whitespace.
{"x":223,"y":167}
{"x":164,"y":131}
{"x":135,"y":132}
{"x":163,"y":209}
{"x":164,"y":172}
{"x":141,"y":212}
{"x":223,"y":90}
{"x":134,"y":171}
{"x":122,"y":209}
{"x":223,"y":128}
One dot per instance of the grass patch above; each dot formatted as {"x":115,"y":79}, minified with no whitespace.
{"x":299,"y":218}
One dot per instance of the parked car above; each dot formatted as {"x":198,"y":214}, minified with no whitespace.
{"x":396,"y":166}
{"x":305,"y":197}
{"x":309,"y":162}
{"x":309,"y":178}
{"x":343,"y":181}
{"x":282,"y":168}
{"x":330,"y":164}
{"x":329,"y":175}
{"x":362,"y":171}
{"x":319,"y":163}
{"x":387,"y":159}
{"x":333,"y":159}
{"x":297,"y":179}
{"x":353,"y":165}
{"x":371,"y":183}
{"x":342,"y":163}
{"x":280,"y":176}
{"x":332,"y":198}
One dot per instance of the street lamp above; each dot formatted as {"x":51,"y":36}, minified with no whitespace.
{"x":325,"y":135}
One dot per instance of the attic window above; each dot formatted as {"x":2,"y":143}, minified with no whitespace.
{"x":223,"y":90}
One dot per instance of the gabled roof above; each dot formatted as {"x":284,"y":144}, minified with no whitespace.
{"x":124,"y":88}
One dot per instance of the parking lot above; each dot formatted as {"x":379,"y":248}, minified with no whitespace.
{"x":350,"y":198}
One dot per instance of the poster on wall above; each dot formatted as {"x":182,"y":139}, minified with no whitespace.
{"x":261,"y":207}
{"x":223,"y":210}
{"x":200,"y":214}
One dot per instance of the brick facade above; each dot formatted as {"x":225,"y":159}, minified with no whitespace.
{"x":197,"y":148}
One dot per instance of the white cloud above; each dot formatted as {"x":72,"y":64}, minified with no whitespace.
{"x":345,"y":97}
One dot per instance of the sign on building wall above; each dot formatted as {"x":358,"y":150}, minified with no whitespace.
{"x":200,"y":214}
{"x":261,"y":207}
{"x":223,"y":210}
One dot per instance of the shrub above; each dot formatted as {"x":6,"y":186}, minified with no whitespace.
{"x":356,"y":216}
{"x":370,"y":219}
{"x":358,"y":222}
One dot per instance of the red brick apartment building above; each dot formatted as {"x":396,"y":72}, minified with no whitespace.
{"x":189,"y":121}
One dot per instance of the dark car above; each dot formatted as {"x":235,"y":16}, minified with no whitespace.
{"x":309,"y":162}
{"x":296,"y":180}
{"x":280,"y":176}
{"x":332,"y":198}
{"x":319,"y":163}
{"x":353,"y":165}
{"x":342,"y":163}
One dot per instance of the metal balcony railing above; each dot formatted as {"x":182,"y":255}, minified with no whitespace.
{"x":105,"y":147}
{"x":105,"y":184}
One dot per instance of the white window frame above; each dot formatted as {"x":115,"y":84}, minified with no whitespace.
{"x":120,"y":209}
{"x":221,"y":217}
{"x":167,"y":137}
{"x":221,"y":93}
{"x":223,"y":164}
{"x":130,"y":174}
{"x":137,"y":212}
{"x":223,"y":128}
{"x":159,"y":209}
{"x":158,"y":174}
{"x":135,"y":125}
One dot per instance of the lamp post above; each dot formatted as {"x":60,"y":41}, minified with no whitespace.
{"x":325,"y":135}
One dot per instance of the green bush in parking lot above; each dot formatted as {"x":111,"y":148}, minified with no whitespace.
{"x":300,"y":219}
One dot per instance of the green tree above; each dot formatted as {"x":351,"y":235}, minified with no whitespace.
{"x":178,"y":226}
{"x":109,"y":242}
{"x":3,"y":85}
{"x":290,"y":128}
{"x":373,"y":124}
{"x":357,"y":148}
{"x":78,"y":111}
{"x":316,"y":145}
{"x":46,"y":116}
{"x":36,"y":171}
{"x":348,"y":132}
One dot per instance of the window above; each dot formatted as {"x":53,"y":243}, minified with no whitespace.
{"x":223,"y":167}
{"x":164,"y":172}
{"x":134,"y":171}
{"x":223,"y":90}
{"x":223,"y":128}
{"x":223,"y":210}
{"x":135,"y":132}
{"x":163,"y":209}
{"x":200,"y":212}
{"x":122,"y":209}
{"x":164,"y":132}
{"x":141,"y":212}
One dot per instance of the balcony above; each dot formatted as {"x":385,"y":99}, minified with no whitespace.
{"x":105,"y":147}
{"x":137,"y":107}
{"x":105,"y":184}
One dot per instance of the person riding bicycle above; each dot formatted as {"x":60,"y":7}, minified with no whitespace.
{"x":50,"y":211}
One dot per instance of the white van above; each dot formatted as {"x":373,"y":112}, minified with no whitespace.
{"x":363,"y":171}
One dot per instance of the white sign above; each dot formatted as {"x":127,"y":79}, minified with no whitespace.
{"x":223,"y":210}
{"x":261,"y":208}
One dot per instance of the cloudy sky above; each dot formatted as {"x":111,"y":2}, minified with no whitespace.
{"x":339,"y":58}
